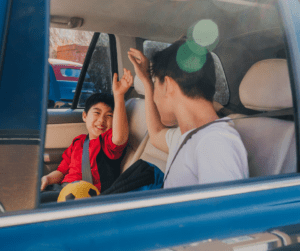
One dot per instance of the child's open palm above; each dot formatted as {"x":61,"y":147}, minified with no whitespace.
{"x":122,"y":86}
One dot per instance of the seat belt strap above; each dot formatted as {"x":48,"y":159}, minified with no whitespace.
{"x":276,"y":113}
{"x":85,"y":163}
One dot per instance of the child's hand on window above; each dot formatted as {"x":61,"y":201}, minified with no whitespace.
{"x":122,"y":86}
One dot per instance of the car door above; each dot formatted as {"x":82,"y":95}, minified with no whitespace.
{"x":133,"y":221}
{"x":23,"y":101}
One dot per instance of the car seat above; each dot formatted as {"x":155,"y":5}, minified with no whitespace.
{"x":139,"y":146}
{"x":270,"y":142}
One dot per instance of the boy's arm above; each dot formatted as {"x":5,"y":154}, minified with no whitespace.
{"x":52,"y":178}
{"x":57,"y":176}
{"x":120,"y":129}
{"x":157,"y":131}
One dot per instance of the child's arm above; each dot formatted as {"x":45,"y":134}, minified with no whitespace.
{"x":52,"y":178}
{"x":157,"y":131}
{"x":120,"y":129}
{"x":57,"y":176}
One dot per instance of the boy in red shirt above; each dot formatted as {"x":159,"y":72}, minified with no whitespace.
{"x":107,"y":125}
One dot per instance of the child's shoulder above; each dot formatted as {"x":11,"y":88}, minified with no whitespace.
{"x":79,"y":138}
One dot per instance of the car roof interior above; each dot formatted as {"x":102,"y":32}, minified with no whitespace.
{"x":167,"y":20}
{"x":242,"y":24}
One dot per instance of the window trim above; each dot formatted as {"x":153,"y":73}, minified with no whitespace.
{"x":286,"y":11}
{"x":113,"y":55}
{"x":3,"y":36}
{"x":149,"y":199}
{"x":84,"y":69}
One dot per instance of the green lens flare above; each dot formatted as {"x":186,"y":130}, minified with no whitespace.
{"x":189,"y":61}
{"x":201,"y":38}
{"x":204,"y":33}
{"x":196,"y":48}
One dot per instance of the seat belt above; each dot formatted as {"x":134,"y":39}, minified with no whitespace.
{"x":85,"y":163}
{"x":276,"y":113}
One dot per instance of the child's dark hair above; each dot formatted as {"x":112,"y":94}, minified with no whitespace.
{"x":196,"y":84}
{"x":96,"y":98}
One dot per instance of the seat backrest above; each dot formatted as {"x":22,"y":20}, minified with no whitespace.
{"x":135,"y":108}
{"x":139,"y":146}
{"x":270,"y":142}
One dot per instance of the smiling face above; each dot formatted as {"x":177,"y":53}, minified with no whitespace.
{"x":98,"y":119}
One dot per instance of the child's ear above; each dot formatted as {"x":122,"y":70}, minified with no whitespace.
{"x":84,"y":116}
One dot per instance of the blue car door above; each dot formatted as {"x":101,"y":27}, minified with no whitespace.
{"x":23,"y":100}
{"x":134,"y":221}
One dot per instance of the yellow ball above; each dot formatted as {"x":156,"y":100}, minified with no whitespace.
{"x":77,"y":190}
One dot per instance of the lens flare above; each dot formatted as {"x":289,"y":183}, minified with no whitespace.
{"x":205,"y":33}
{"x":189,"y":61}
{"x":201,"y":38}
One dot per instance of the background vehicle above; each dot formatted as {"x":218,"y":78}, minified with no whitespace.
{"x":264,"y":210}
{"x":63,"y":81}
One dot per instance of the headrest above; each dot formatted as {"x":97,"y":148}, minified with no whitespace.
{"x":138,"y":85}
{"x":266,"y":86}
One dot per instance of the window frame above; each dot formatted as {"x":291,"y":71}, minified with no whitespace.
{"x":5,"y":14}
{"x":120,"y":203}
{"x":84,"y":69}
{"x":89,"y":54}
{"x":269,"y":182}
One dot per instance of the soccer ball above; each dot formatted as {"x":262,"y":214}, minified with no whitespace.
{"x":77,"y":190}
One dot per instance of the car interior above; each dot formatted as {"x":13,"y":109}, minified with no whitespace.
{"x":251,"y":69}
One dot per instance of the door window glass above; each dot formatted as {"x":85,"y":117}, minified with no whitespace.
{"x":67,"y":52}
{"x":99,"y":74}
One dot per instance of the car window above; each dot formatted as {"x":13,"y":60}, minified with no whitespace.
{"x":98,"y":78}
{"x":150,"y":47}
{"x":232,"y":59}
{"x":267,"y":147}
{"x":67,"y":51}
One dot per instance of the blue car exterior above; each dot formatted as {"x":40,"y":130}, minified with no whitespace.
{"x":54,"y":90}
{"x":135,"y":221}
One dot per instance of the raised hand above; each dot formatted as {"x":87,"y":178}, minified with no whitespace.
{"x":140,"y":63}
{"x":122,"y":86}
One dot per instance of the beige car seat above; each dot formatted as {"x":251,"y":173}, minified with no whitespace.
{"x":270,"y":142}
{"x":139,"y":146}
{"x":135,"y":108}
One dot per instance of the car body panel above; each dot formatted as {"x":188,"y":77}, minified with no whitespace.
{"x":132,"y":221}
{"x":152,"y":227}
{"x":4,"y":12}
{"x":23,"y":99}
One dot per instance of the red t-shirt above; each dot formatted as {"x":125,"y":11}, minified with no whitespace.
{"x":70,"y":166}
